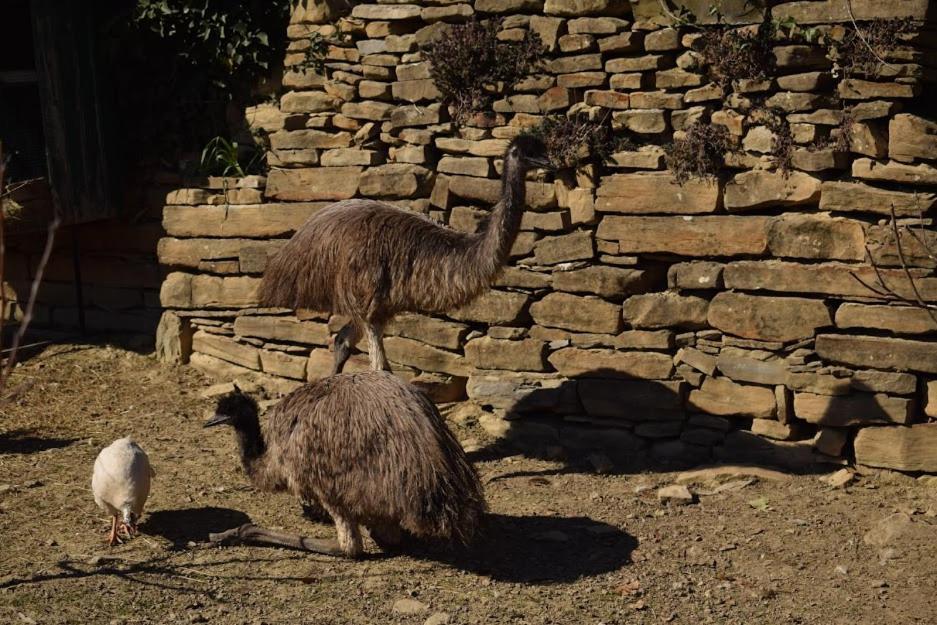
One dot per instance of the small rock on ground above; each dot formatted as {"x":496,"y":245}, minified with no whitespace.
{"x":409,"y":606}
{"x":676,"y":494}
{"x":439,"y":618}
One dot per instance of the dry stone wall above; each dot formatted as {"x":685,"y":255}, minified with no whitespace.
{"x":738,"y":317}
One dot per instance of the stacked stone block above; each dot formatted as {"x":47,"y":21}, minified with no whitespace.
{"x":689,"y":321}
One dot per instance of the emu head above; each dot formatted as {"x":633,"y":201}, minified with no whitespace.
{"x":236,"y":409}
{"x":529,"y":152}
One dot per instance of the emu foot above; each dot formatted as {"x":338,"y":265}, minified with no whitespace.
{"x":250,"y":533}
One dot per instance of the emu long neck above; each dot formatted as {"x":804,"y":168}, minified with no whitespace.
{"x":253,"y":449}
{"x":497,"y":239}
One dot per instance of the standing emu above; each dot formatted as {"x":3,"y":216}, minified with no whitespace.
{"x":370,"y":260}
{"x":367,"y":447}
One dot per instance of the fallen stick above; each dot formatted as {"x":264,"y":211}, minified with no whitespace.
{"x":256,"y":534}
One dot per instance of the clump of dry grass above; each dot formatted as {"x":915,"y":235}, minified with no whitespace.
{"x":571,"y":141}
{"x":700,"y":153}
{"x":733,"y":54}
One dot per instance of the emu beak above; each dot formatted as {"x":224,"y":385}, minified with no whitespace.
{"x":543,"y":163}
{"x":218,"y":419}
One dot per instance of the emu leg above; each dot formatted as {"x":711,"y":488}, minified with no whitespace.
{"x":387,"y":536}
{"x":344,"y":342}
{"x":349,"y":536}
{"x":375,"y":334}
{"x":113,"y":538}
{"x":256,"y":534}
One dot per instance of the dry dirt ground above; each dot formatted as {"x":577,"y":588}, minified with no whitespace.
{"x":562,"y":544}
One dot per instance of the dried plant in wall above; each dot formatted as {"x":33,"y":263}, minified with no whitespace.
{"x":864,"y":47}
{"x":700,"y":153}
{"x":733,"y":54}
{"x":470,"y":65}
{"x":571,"y":141}
{"x":782,"y":141}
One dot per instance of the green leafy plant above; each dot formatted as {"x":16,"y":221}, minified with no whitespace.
{"x":700,"y":153}
{"x":795,"y":31}
{"x":470,"y":65}
{"x":222,"y":157}
{"x":316,"y":53}
{"x":185,"y":69}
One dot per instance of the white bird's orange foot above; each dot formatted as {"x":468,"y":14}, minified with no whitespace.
{"x":113,"y":538}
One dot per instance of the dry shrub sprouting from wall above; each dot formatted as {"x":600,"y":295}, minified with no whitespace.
{"x":782,"y":142}
{"x":571,"y":141}
{"x":733,"y":54}
{"x":863,"y":48}
{"x":700,"y":153}
{"x":470,"y":65}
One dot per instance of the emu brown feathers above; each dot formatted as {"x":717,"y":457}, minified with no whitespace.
{"x":370,"y":449}
{"x":370,"y":260}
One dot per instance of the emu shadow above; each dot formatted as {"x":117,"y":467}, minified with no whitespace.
{"x":191,"y":524}
{"x":22,"y":442}
{"x":537,"y":549}
{"x":641,"y":425}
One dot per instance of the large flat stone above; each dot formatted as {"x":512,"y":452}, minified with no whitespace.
{"x":664,"y":310}
{"x":642,"y":193}
{"x":903,"y":448}
{"x":494,"y":307}
{"x":539,"y":195}
{"x":860,"y":197}
{"x":425,"y":357}
{"x":741,"y":369}
{"x":752,"y":190}
{"x":826,"y":11}
{"x":911,"y":137}
{"x":854,"y":409}
{"x":226,"y":349}
{"x":581,"y":314}
{"x":897,"y":319}
{"x":723,"y":397}
{"x":523,"y":355}
{"x":289,"y":329}
{"x":878,"y":352}
{"x":820,"y":237}
{"x":632,"y":400}
{"x":524,"y":392}
{"x":185,"y":290}
{"x":266,"y":220}
{"x":438,"y":332}
{"x":319,"y":183}
{"x":892,"y":171}
{"x":824,"y":278}
{"x":720,"y":235}
{"x":767,"y":318}
{"x":564,"y":248}
{"x":609,"y":282}
{"x":574,"y":362}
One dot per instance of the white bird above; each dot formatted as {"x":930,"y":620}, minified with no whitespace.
{"x":121,"y":484}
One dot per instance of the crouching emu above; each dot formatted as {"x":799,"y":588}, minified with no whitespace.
{"x":370,"y":449}
{"x":370,"y":260}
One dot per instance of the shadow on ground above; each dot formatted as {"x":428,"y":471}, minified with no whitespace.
{"x":538,"y":549}
{"x":24,"y":442}
{"x":191,"y":524}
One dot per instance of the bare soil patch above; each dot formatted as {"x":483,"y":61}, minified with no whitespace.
{"x":562,"y":544}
